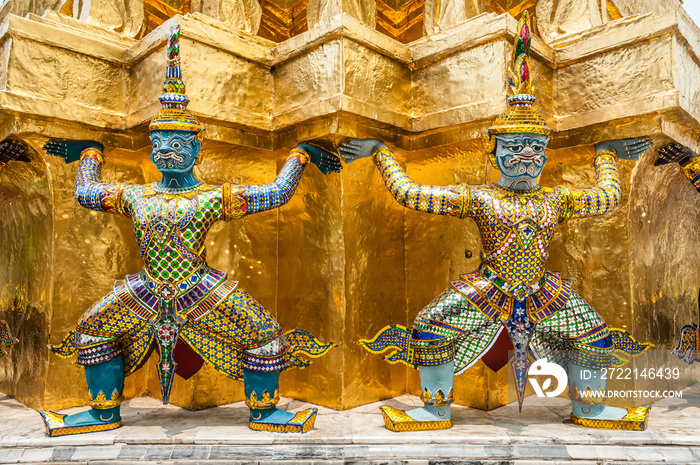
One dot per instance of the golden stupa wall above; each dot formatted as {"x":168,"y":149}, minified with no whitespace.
{"x":342,"y":259}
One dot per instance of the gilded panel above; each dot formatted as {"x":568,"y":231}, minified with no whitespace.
{"x":220,"y":84}
{"x":312,"y":284}
{"x":374,"y":78}
{"x":57,"y":74}
{"x":213,"y":75}
{"x":375,"y":283}
{"x":621,"y":75}
{"x":307,"y":78}
{"x":465,"y":78}
{"x":543,"y":82}
{"x":664,"y":233}
{"x":5,"y":53}
{"x":146,"y":84}
{"x":686,"y":73}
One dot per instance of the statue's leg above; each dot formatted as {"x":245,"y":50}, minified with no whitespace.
{"x":262,"y":395}
{"x":99,"y":351}
{"x":436,"y":385}
{"x":245,"y":328}
{"x":105,"y":386}
{"x":261,"y":373}
{"x":587,"y":348}
{"x":448,"y":335}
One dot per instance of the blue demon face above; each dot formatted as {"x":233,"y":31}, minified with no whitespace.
{"x":174,"y":151}
{"x":521,"y":157}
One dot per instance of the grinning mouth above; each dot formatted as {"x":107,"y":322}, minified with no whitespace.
{"x":536,"y":159}
{"x":168,"y":156}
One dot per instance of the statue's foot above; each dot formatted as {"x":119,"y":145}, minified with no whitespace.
{"x":420,"y":419}
{"x":281,"y":421}
{"x":90,"y":421}
{"x":634,"y":418}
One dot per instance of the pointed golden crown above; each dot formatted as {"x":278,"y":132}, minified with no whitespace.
{"x":174,"y":115}
{"x":522,"y":115}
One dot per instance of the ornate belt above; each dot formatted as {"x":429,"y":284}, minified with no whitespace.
{"x":192,"y":297}
{"x":168,"y":306}
{"x":520,"y":291}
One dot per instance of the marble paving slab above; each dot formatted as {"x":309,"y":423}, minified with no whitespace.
{"x":541,"y":432}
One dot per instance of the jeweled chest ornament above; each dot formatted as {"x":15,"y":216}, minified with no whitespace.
{"x":525,"y":217}
{"x":171,"y":219}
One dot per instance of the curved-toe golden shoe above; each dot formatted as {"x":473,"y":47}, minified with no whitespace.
{"x":56,"y":426}
{"x":303,"y":422}
{"x":635,"y":420}
{"x":398,"y":420}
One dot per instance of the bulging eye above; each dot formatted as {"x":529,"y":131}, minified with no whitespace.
{"x":176,"y":145}
{"x":516,"y":148}
{"x":156,"y":145}
{"x":537,"y":148}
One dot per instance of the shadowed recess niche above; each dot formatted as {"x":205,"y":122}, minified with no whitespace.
{"x":282,"y":19}
{"x":515,"y":8}
{"x":409,"y":20}
{"x":401,"y":19}
{"x":26,"y":235}
{"x":276,"y":20}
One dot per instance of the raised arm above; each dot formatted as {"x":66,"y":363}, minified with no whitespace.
{"x":606,"y":193}
{"x":245,"y":200}
{"x":88,"y":190}
{"x":439,"y":200}
{"x":268,"y":196}
{"x":686,"y":159}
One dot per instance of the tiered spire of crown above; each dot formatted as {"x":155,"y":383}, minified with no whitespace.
{"x":521,"y":117}
{"x":174,"y":115}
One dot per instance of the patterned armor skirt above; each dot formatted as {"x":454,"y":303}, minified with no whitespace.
{"x":451,"y":327}
{"x":237,"y":333}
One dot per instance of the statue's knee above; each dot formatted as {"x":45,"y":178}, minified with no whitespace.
{"x":431,"y":349}
{"x":95,"y":349}
{"x":270,"y":356}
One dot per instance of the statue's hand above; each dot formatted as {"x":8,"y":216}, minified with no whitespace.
{"x":626,"y":149}
{"x":674,"y":153}
{"x":353,"y":149}
{"x":70,"y":150}
{"x":327,"y":162}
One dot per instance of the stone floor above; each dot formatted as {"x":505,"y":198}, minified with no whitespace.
{"x":541,"y":433}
